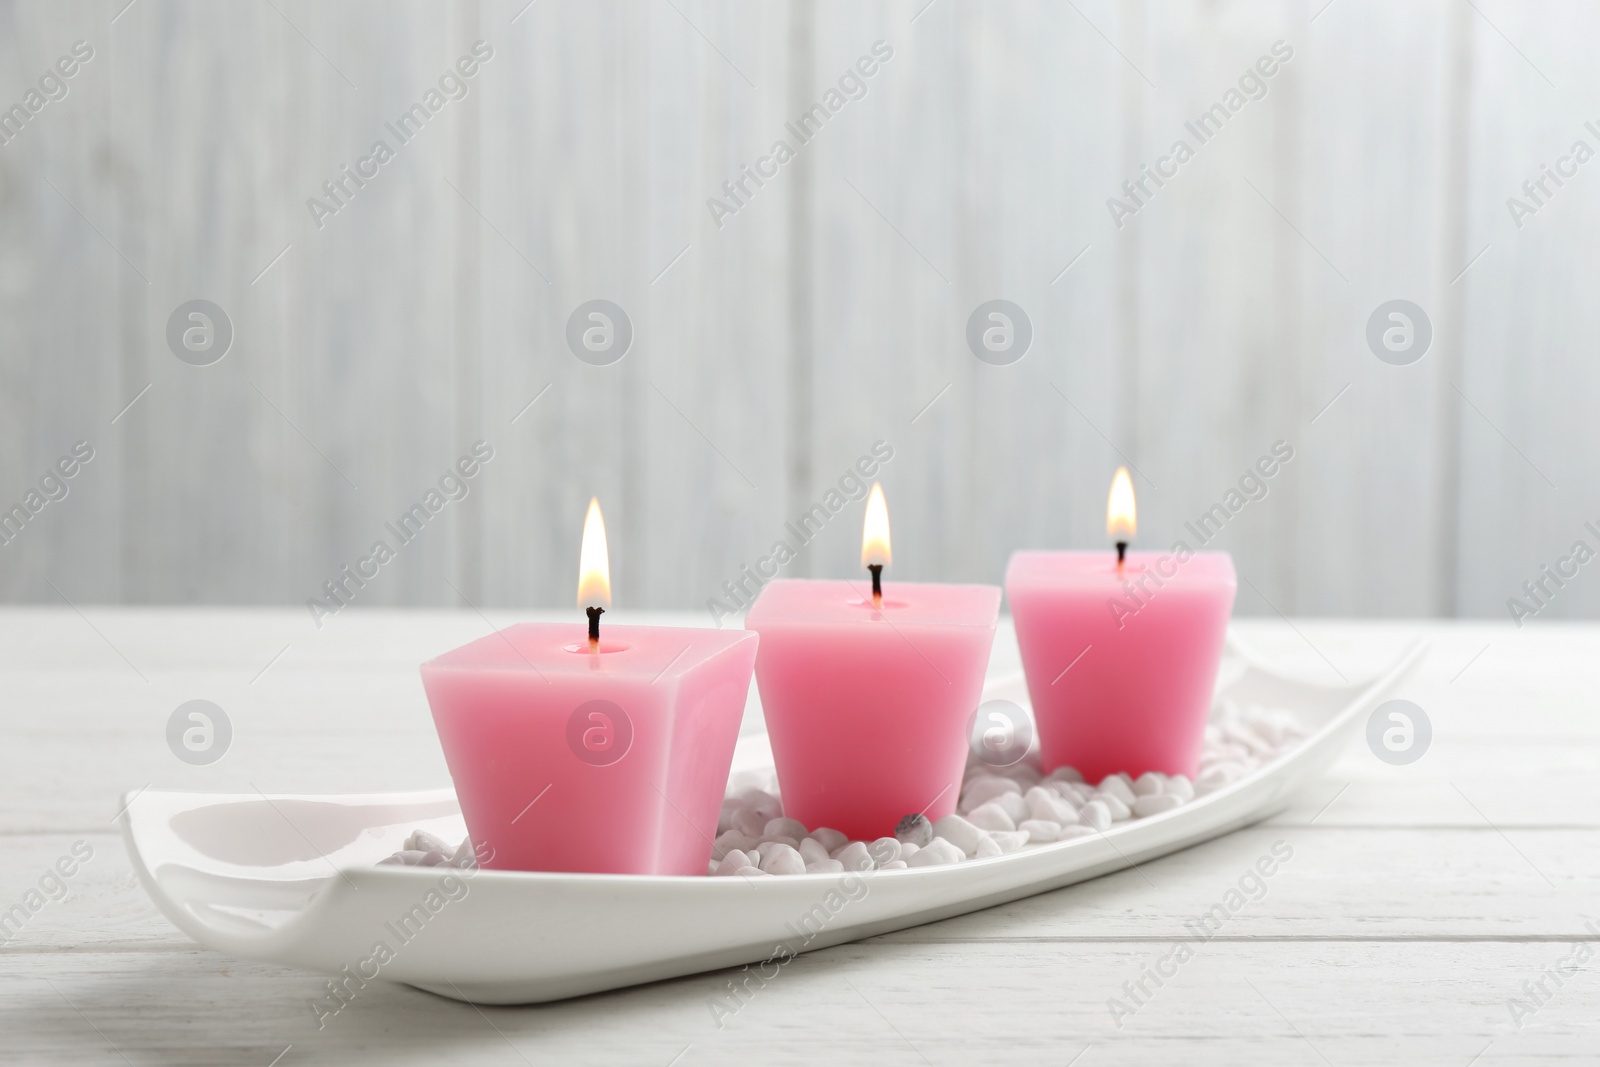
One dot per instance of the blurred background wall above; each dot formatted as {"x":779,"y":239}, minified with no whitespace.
{"x":778,"y":336}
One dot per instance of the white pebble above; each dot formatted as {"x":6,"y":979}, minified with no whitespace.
{"x":986,"y":848}
{"x":464,"y":855}
{"x":750,"y":822}
{"x":1218,"y":775}
{"x":1010,"y":841}
{"x":832,"y":840}
{"x":433,"y":858}
{"x":1278,"y":727}
{"x":1180,"y":786}
{"x":759,"y":800}
{"x":1150,"y":784}
{"x":1229,"y":770}
{"x":1115,"y":805}
{"x":392,"y":861}
{"x":769,"y":848}
{"x":1043,"y":804}
{"x":1241,"y":734}
{"x":1074,"y":793}
{"x":1147,"y":806}
{"x":991,"y":816}
{"x":782,"y":827}
{"x":938,"y":853}
{"x":1070,"y":832}
{"x":824,"y":867}
{"x":1066,"y":774}
{"x":729,"y":841}
{"x":884,"y":850}
{"x":1118,"y":787}
{"x":1024,"y":774}
{"x":780,"y":839}
{"x":1095,"y":814}
{"x":909,"y":849}
{"x":811,"y":851}
{"x":983,"y":789}
{"x":1013,"y":805}
{"x":734,"y":862}
{"x":730,"y":808}
{"x":894,"y":865}
{"x":422,"y":841}
{"x":1041,"y":830}
{"x":750,"y":872}
{"x":855,"y":857}
{"x":959,"y":832}
{"x":782,"y":860}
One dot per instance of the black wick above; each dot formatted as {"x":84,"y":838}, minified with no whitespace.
{"x":877,"y":580}
{"x":594,"y":624}
{"x":1122,"y":552}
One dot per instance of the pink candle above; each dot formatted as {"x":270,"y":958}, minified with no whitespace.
{"x":868,"y":704}
{"x":609,"y":757}
{"x":1121,"y":658}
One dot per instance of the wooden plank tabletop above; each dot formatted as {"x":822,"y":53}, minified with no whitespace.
{"x":1432,"y":913}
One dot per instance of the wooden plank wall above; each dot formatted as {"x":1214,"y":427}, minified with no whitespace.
{"x":771,"y":350}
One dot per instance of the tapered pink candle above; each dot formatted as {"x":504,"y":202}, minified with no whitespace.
{"x":868,"y":692}
{"x":1121,"y":649}
{"x":577,"y":751}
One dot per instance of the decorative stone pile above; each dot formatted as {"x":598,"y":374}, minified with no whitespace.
{"x":1000,"y":810}
{"x":423,"y":849}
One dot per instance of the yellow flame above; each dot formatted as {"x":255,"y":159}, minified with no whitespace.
{"x":1122,"y":514}
{"x":875,"y":530}
{"x":594,"y":562}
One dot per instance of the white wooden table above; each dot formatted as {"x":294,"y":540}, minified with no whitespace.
{"x":1418,"y":901}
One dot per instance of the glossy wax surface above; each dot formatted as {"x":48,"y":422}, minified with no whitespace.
{"x":1120,"y":680}
{"x":868,"y":710}
{"x":565,"y":760}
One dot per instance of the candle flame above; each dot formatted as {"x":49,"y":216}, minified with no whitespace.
{"x":594,"y":562}
{"x":1122,"y":514}
{"x":875,"y":530}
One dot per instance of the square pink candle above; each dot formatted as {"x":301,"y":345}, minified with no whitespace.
{"x":868,"y":710}
{"x":1121,"y":661}
{"x":608,"y":762}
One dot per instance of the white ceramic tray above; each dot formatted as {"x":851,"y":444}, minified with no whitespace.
{"x":292,"y":879}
